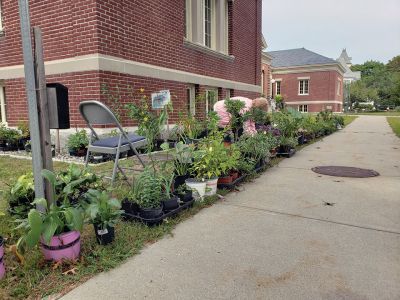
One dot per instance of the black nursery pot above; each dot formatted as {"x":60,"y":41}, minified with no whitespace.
{"x":170,"y":204}
{"x":187,"y":197}
{"x":129,"y":207}
{"x":179,"y":180}
{"x":150,"y":213}
{"x":104,"y":236}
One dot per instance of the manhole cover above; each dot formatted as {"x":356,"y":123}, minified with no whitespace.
{"x":340,"y":171}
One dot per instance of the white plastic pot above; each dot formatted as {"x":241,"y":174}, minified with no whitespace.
{"x":211,"y":186}
{"x":197,"y":186}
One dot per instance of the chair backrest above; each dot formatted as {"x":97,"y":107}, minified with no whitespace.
{"x":97,"y":113}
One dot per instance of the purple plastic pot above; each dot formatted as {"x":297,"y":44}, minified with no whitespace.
{"x":2,"y":268}
{"x":64,"y":246}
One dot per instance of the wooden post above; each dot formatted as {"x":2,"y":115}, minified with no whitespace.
{"x":43,"y":111}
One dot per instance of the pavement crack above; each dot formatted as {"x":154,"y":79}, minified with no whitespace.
{"x":312,"y":218}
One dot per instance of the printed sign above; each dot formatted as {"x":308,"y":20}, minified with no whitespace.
{"x":160,"y":99}
{"x":102,"y":231}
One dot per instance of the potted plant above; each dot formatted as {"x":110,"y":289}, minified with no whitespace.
{"x":170,"y":201}
{"x":21,"y":195}
{"x":103,"y":212}
{"x":56,"y":227}
{"x":255,"y":147}
{"x":184,"y":193}
{"x":210,"y":162}
{"x":9,"y":138}
{"x":2,"y":268}
{"x":147,"y":194}
{"x":182,"y":158}
{"x":77,"y":143}
{"x":23,"y":127}
{"x":287,"y":144}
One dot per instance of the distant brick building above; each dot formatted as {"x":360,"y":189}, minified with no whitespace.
{"x":308,"y":82}
{"x":189,"y":47}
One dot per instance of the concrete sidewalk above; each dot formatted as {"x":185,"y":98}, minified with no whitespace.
{"x":277,"y":239}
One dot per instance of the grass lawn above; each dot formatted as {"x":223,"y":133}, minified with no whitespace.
{"x":395,"y":124}
{"x":348,"y":119}
{"x":379,"y":113}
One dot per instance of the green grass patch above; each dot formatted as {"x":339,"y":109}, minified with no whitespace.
{"x":348,"y":119}
{"x":395,"y":124}
{"x":378,"y":113}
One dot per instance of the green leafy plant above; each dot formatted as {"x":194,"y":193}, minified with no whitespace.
{"x":147,"y":189}
{"x":23,"y":127}
{"x":256,"y":147}
{"x":182,"y":156}
{"x":78,"y":140}
{"x":188,"y":127}
{"x":235,"y":109}
{"x":21,"y":195}
{"x":213,"y":159}
{"x":49,"y":219}
{"x":290,"y":142}
{"x":150,"y":124}
{"x":9,"y":135}
{"x":102,"y":210}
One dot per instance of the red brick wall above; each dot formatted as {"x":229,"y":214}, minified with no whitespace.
{"x":69,"y":29}
{"x":87,"y":86}
{"x":322,"y":87}
{"x":267,"y":82}
{"x":150,"y":32}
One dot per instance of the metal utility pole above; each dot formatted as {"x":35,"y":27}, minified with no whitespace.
{"x":43,"y":110}
{"x":31,"y":97}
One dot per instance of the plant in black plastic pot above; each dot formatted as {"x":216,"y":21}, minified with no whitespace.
{"x":103,"y":212}
{"x":184,"y":193}
{"x":182,"y":159}
{"x":77,"y":143}
{"x":170,"y":201}
{"x":147,"y":194}
{"x":255,"y":148}
{"x":56,"y":226}
{"x":21,"y":195}
{"x":287,"y":144}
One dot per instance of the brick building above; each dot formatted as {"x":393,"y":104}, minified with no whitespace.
{"x":190,"y":47}
{"x":308,"y":82}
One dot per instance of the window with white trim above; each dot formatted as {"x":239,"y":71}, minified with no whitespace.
{"x":302,"y":108}
{"x":338,"y":88}
{"x":228,"y":94}
{"x":211,"y":99}
{"x":191,"y":100}
{"x":278,"y":88}
{"x":3,"y":113}
{"x":304,"y":87}
{"x":207,"y":23}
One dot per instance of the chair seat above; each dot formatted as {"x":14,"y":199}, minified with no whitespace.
{"x":112,"y":142}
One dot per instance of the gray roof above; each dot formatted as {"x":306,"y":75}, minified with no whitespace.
{"x":298,"y":57}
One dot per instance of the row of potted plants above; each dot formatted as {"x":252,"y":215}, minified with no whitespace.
{"x":14,"y":139}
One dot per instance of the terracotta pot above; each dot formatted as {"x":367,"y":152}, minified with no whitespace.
{"x":226,"y":179}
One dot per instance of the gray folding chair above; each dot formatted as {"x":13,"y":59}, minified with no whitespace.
{"x":96,"y":113}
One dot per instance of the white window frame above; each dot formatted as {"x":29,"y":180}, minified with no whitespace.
{"x":276,"y":87}
{"x":209,"y":106}
{"x":302,"y":86}
{"x":188,"y":19}
{"x":212,"y":24}
{"x":303,"y":108}
{"x":339,"y":87}
{"x":228,"y":94}
{"x":192,"y":99}
{"x":3,"y":106}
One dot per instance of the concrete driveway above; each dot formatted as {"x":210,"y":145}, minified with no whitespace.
{"x":277,"y":239}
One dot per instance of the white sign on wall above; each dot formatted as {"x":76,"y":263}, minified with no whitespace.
{"x":160,"y":99}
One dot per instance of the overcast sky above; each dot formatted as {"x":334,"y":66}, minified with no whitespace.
{"x":369,"y":29}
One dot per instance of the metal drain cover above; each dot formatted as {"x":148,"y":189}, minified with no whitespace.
{"x":340,"y":171}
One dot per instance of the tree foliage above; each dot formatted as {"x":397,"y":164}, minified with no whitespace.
{"x":379,"y":83}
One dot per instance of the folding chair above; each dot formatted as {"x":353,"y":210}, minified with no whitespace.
{"x":96,"y":113}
